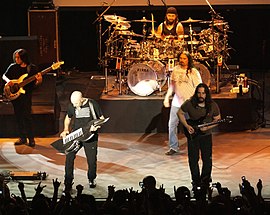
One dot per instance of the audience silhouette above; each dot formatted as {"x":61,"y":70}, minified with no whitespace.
{"x":150,"y":200}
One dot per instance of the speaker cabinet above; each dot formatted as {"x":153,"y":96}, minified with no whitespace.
{"x":44,"y":25}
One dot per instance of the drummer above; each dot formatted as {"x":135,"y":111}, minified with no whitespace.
{"x":171,"y":28}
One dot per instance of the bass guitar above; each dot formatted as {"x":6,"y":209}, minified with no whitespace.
{"x":73,"y":141}
{"x":13,"y":92}
{"x":198,"y":124}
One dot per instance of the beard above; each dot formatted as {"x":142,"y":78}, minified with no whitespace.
{"x":170,"y":22}
{"x":201,"y":100}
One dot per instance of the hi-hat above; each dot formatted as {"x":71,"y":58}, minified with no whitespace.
{"x":142,"y":20}
{"x":114,"y":18}
{"x":189,"y":20}
{"x":122,"y":25}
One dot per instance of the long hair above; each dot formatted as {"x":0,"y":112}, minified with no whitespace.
{"x":23,"y":55}
{"x":208,"y":99}
{"x":190,"y":60}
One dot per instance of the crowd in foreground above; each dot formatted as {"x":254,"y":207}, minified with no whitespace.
{"x":150,"y":200}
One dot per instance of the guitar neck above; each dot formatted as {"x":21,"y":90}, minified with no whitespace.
{"x":210,"y":123}
{"x":32,"y":78}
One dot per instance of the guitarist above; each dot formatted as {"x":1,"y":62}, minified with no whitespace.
{"x":200,"y":108}
{"x":23,"y":104}
{"x":82,"y":111}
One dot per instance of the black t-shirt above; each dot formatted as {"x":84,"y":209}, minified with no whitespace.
{"x":15,"y":71}
{"x":197,"y":112}
{"x":83,"y":116}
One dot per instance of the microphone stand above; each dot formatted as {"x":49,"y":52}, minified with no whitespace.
{"x":105,"y":63}
{"x":99,"y":19}
{"x":218,"y":64}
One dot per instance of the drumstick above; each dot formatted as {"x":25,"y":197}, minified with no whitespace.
{"x":153,"y":27}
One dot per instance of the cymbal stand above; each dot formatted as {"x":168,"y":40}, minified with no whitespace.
{"x":144,"y":30}
{"x":191,"y":39}
{"x":219,"y":58}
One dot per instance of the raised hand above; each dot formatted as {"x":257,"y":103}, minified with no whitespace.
{"x":39,"y":188}
{"x":56,"y":184}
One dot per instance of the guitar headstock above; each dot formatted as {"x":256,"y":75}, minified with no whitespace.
{"x":228,"y":119}
{"x":57,"y":65}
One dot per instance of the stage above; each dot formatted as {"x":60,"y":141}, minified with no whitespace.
{"x":124,"y":159}
{"x":131,"y":113}
{"x":133,"y":142}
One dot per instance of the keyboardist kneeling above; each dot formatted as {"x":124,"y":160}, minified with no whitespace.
{"x":84,"y":117}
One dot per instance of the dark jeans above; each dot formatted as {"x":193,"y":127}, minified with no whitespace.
{"x":22,"y":109}
{"x":201,"y":144}
{"x":90,"y":149}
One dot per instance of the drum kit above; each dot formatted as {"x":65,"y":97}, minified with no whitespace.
{"x":144,"y":62}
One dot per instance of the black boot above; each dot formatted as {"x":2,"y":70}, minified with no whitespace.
{"x":32,"y":142}
{"x":20,"y":141}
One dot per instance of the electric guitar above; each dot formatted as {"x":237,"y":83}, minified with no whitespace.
{"x":198,"y":124}
{"x":73,"y":141}
{"x":13,"y":92}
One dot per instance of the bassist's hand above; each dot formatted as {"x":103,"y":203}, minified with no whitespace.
{"x":38,"y":78}
{"x":10,"y":83}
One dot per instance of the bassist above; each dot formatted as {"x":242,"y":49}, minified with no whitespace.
{"x":22,"y":105}
{"x":199,"y":108}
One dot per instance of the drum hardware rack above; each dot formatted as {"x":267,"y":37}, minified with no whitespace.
{"x":212,"y":48}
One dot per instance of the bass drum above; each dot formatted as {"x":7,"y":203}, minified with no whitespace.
{"x":144,"y":78}
{"x":205,"y":74}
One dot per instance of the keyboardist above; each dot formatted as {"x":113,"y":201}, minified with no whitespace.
{"x":79,"y":113}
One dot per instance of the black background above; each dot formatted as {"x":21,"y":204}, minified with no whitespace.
{"x":250,"y":26}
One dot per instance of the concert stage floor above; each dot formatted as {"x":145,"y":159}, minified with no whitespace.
{"x":125,"y":159}
{"x":126,"y":156}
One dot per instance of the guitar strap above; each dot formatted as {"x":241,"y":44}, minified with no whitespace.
{"x":91,"y":106}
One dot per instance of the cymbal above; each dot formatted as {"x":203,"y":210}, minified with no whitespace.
{"x":183,"y":36}
{"x":154,"y":36}
{"x":219,"y":23}
{"x":114,"y":18}
{"x":189,"y":20}
{"x":206,"y":22}
{"x":193,"y":42}
{"x":122,"y":25}
{"x":129,"y":33}
{"x":142,"y":20}
{"x":169,"y":37}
